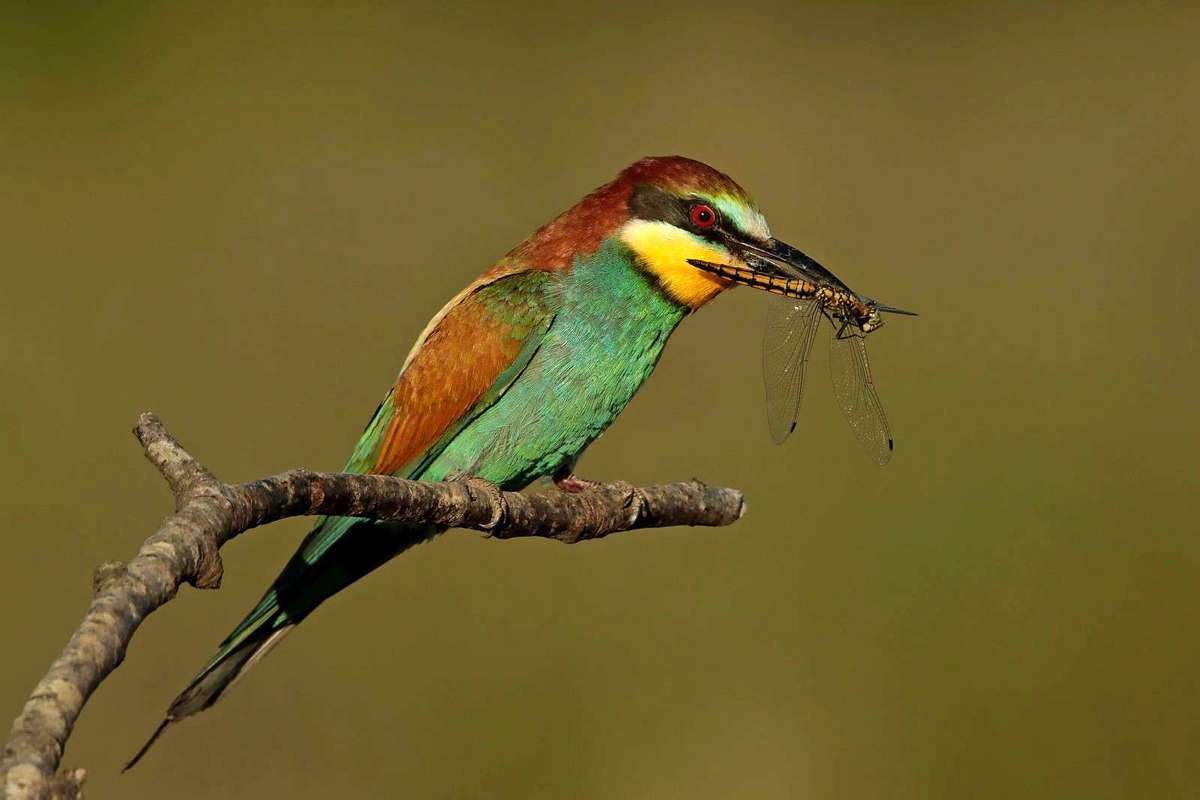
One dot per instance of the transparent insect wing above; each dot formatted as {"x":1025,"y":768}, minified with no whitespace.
{"x":787,"y":342}
{"x":855,"y":392}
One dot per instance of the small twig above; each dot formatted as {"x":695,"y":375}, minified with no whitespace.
{"x":185,"y":549}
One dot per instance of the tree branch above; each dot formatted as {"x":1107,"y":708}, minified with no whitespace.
{"x":208,"y":513}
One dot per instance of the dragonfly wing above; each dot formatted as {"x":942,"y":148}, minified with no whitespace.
{"x":791,"y":326}
{"x":855,"y":391}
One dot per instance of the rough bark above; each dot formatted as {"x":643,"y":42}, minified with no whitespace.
{"x":208,"y":513}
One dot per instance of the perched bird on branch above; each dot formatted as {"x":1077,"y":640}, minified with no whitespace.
{"x":521,"y":371}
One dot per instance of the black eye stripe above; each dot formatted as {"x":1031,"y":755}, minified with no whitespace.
{"x":651,"y":203}
{"x":657,"y":205}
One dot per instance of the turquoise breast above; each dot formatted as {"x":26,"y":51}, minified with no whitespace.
{"x":610,"y":328}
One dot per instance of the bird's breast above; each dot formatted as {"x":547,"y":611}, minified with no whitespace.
{"x":610,"y":326}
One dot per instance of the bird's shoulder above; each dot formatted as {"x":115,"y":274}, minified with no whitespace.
{"x":467,"y":355}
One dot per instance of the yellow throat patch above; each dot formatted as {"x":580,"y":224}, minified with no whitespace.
{"x":665,"y":250}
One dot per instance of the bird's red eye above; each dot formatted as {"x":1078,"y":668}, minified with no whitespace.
{"x":703,"y":216}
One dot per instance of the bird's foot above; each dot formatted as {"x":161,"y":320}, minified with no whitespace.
{"x":634,"y":498}
{"x":572,"y":484}
{"x":490,"y":491}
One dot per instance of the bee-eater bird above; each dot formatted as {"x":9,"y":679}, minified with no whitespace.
{"x":522,"y":370}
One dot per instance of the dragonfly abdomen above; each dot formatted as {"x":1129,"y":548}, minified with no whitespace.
{"x":775,"y":284}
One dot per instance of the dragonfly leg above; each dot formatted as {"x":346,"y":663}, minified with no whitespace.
{"x":839,"y":323}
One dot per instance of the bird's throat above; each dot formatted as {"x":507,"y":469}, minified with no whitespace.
{"x":663,"y":250}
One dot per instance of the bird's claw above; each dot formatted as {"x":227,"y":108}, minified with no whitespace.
{"x":494,"y":496}
{"x":635,"y":498}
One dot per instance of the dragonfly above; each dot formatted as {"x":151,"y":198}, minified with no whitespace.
{"x":804,"y":294}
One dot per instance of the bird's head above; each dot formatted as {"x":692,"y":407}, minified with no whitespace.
{"x":671,"y":211}
{"x":682,"y":211}
{"x":679,"y":209}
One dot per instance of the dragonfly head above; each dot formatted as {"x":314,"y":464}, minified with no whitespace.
{"x":873,"y":320}
{"x":869,"y":316}
{"x":852,"y":314}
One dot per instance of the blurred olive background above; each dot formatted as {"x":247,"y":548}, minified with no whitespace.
{"x":241,"y":217}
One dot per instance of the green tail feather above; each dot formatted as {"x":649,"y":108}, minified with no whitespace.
{"x":337,"y":552}
{"x":230,"y":662}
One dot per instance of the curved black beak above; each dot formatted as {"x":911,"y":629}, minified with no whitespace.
{"x":774,"y":264}
{"x":893,"y":310}
{"x":780,"y":258}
